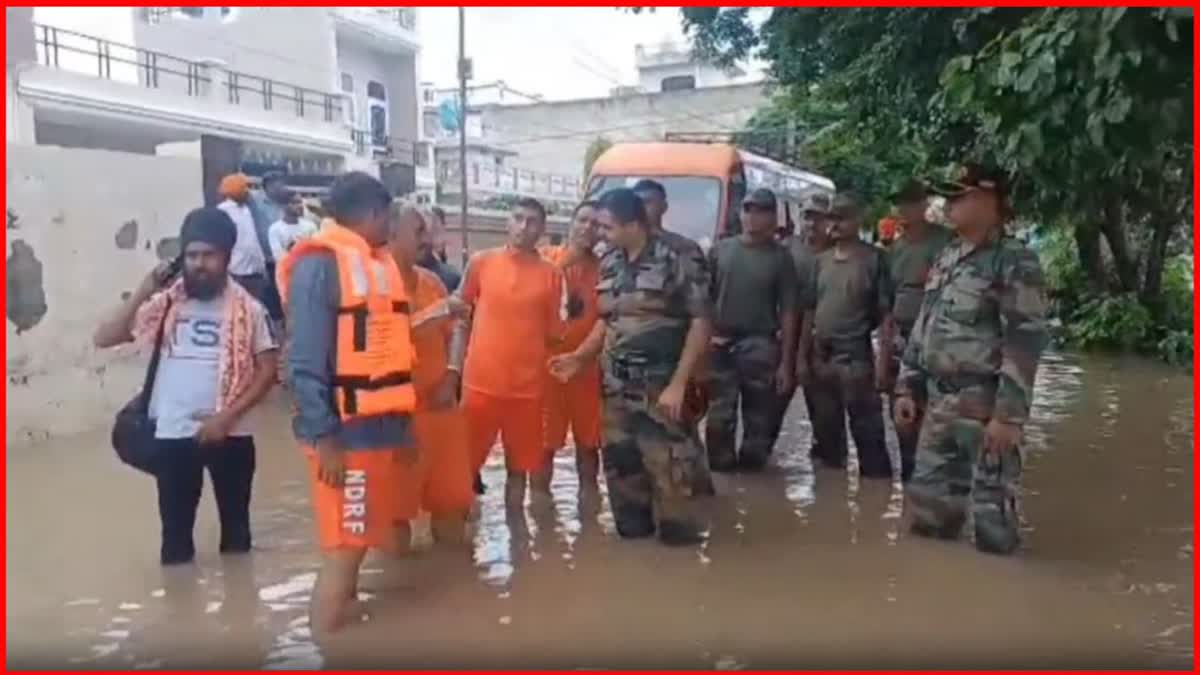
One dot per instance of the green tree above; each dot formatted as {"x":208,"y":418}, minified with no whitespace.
{"x":1089,"y":108}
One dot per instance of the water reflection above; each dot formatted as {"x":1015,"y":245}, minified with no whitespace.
{"x":802,"y":564}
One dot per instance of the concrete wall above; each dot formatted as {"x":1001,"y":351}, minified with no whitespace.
{"x":287,"y":44}
{"x":553,"y":137}
{"x":84,"y":227}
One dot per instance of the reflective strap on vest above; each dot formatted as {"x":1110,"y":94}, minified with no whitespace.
{"x":354,"y":392}
{"x":359,"y":281}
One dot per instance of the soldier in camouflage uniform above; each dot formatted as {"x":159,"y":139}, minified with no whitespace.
{"x":805,"y":246}
{"x":909,"y":260}
{"x":654,"y":199}
{"x":754,"y":341}
{"x":974,"y":352}
{"x":654,"y":327}
{"x":848,"y":294}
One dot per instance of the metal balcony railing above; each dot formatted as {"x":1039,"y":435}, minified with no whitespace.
{"x":156,"y":70}
{"x":487,"y":177}
{"x":404,"y":151}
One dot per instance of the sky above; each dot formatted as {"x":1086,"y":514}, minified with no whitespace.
{"x":555,"y":52}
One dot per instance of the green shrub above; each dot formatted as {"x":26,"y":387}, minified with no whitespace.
{"x":1119,"y":323}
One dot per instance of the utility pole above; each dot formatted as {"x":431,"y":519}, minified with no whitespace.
{"x":464,"y":68}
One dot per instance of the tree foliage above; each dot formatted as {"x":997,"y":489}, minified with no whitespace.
{"x":1089,"y":108}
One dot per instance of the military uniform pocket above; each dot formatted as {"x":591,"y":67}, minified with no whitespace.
{"x":964,"y":300}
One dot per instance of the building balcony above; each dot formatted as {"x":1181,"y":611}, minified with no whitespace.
{"x":85,"y":81}
{"x":663,"y":54}
{"x":388,"y":29}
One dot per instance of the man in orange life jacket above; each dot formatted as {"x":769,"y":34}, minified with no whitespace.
{"x":350,"y":370}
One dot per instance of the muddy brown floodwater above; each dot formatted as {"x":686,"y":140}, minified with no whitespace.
{"x":800,"y":570}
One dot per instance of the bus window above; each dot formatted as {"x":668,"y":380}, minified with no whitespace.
{"x":694,"y":202}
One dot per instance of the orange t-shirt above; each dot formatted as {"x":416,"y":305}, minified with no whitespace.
{"x":580,"y":276}
{"x":430,"y":344}
{"x":517,"y":301}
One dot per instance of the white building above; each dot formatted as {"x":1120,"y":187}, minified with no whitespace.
{"x":670,"y":67}
{"x":312,"y":90}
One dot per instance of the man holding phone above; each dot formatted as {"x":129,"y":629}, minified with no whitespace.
{"x":217,"y":361}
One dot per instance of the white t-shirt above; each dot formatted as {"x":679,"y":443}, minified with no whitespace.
{"x":247,"y":257}
{"x":186,"y":382}
{"x":284,"y":235}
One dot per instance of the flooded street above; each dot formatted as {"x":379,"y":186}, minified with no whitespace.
{"x":800,"y":570}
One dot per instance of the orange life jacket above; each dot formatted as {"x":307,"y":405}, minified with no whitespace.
{"x":375,"y":358}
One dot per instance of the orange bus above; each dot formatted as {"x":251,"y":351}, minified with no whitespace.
{"x":705,"y":183}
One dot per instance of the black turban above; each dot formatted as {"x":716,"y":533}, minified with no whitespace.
{"x":211,"y":226}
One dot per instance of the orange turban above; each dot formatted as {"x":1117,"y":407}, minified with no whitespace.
{"x":234,"y":186}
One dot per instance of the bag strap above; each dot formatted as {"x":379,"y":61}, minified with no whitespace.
{"x":152,"y":368}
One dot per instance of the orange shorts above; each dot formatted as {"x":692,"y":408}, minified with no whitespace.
{"x":445,"y":461}
{"x":574,"y":404}
{"x":381,"y":488}
{"x":518,"y":423}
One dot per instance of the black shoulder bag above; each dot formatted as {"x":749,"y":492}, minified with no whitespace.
{"x":133,"y":430}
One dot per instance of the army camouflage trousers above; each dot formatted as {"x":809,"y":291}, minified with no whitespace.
{"x":652,"y":464}
{"x":843,"y":384}
{"x":906,"y":438}
{"x":742,"y":371}
{"x":953,"y":470}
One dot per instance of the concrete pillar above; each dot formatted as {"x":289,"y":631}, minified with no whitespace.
{"x":19,"y":38}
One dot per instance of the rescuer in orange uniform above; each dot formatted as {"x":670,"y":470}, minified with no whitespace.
{"x":445,"y":489}
{"x":517,"y":313}
{"x":575,"y":404}
{"x":351,"y":374}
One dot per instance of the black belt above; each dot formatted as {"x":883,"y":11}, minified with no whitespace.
{"x":956,"y":383}
{"x":635,"y":372}
{"x":734,"y":335}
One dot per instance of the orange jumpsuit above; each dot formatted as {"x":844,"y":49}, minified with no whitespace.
{"x":575,"y":404}
{"x":446,"y":471}
{"x":517,"y":301}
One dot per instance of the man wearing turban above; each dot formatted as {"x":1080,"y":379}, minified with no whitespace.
{"x":217,"y":359}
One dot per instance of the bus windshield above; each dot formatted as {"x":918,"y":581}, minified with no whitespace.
{"x":694,"y":202}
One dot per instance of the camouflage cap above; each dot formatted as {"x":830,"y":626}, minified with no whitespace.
{"x":973,"y":176}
